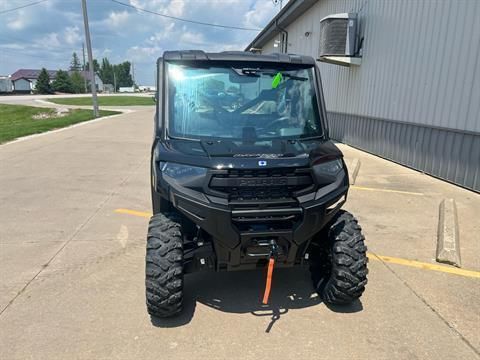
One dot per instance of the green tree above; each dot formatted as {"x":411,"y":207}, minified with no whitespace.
{"x":122,"y":74}
{"x":96,"y":66}
{"x":78,"y":82}
{"x":62,"y":82}
{"x":106,"y":71}
{"x":43,"y":83}
{"x":75,"y":63}
{"x":121,"y":71}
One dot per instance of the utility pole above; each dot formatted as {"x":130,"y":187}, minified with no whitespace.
{"x":90,"y":59}
{"x":114,"y":82}
{"x":84,"y":68}
{"x":133,"y":74}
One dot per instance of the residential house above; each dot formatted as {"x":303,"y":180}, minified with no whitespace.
{"x":25,"y":80}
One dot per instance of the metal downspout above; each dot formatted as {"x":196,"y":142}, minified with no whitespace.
{"x":286,"y":36}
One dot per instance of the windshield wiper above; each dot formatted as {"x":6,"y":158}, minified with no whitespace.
{"x":173,"y":137}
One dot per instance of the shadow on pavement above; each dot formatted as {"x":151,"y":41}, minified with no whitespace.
{"x":183,"y":318}
{"x":241,"y":292}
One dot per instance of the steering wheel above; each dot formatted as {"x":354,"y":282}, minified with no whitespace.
{"x":273,"y":126}
{"x":215,"y":106}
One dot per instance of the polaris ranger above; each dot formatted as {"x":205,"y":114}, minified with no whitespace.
{"x":244,"y":176}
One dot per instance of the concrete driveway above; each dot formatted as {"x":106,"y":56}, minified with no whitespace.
{"x":72,"y":265}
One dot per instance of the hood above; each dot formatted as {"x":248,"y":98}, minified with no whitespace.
{"x":276,"y":153}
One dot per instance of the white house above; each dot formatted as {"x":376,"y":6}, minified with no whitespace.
{"x":25,"y":80}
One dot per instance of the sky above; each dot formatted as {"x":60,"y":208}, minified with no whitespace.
{"x":46,"y":34}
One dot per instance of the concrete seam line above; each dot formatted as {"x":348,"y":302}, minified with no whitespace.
{"x":354,"y":168}
{"x":448,"y":239}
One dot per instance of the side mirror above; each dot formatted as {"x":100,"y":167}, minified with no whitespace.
{"x":154,"y":98}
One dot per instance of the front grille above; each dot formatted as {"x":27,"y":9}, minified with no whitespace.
{"x":261,"y":184}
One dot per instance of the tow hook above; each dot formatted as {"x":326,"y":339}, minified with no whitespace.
{"x":271,"y":264}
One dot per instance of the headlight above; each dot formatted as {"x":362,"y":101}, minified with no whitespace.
{"x":329,"y":168}
{"x":326,"y":173}
{"x":184,"y":175}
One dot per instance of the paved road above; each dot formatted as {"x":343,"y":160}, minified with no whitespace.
{"x":31,"y":97}
{"x":72,"y":269}
{"x":42,"y":100}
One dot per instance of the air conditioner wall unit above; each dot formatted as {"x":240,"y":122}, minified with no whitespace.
{"x":338,"y":38}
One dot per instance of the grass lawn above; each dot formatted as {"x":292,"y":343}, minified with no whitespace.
{"x":18,"y":120}
{"x":106,"y":100}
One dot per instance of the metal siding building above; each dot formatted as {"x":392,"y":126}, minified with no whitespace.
{"x":415,"y":98}
{"x":6,"y":85}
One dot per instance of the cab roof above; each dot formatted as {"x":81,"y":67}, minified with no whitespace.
{"x":237,"y":56}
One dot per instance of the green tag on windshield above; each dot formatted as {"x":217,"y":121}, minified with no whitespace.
{"x":277,"y":79}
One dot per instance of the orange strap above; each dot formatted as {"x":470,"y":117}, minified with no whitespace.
{"x":268,"y":285}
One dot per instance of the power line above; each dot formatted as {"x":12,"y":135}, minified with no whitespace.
{"x":23,"y":6}
{"x":59,"y":50}
{"x":186,"y":20}
{"x":18,"y":54}
{"x":10,"y":37}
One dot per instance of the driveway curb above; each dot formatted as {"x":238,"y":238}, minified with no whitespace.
{"x":353,"y":169}
{"x":448,"y":240}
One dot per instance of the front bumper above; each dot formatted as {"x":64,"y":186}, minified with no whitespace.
{"x":238,"y":234}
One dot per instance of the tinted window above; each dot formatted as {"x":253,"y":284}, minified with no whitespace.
{"x":235,"y":103}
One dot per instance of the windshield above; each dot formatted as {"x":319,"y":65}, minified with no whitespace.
{"x":247,"y":104}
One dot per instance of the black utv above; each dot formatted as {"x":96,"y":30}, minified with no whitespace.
{"x":244,"y":176}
